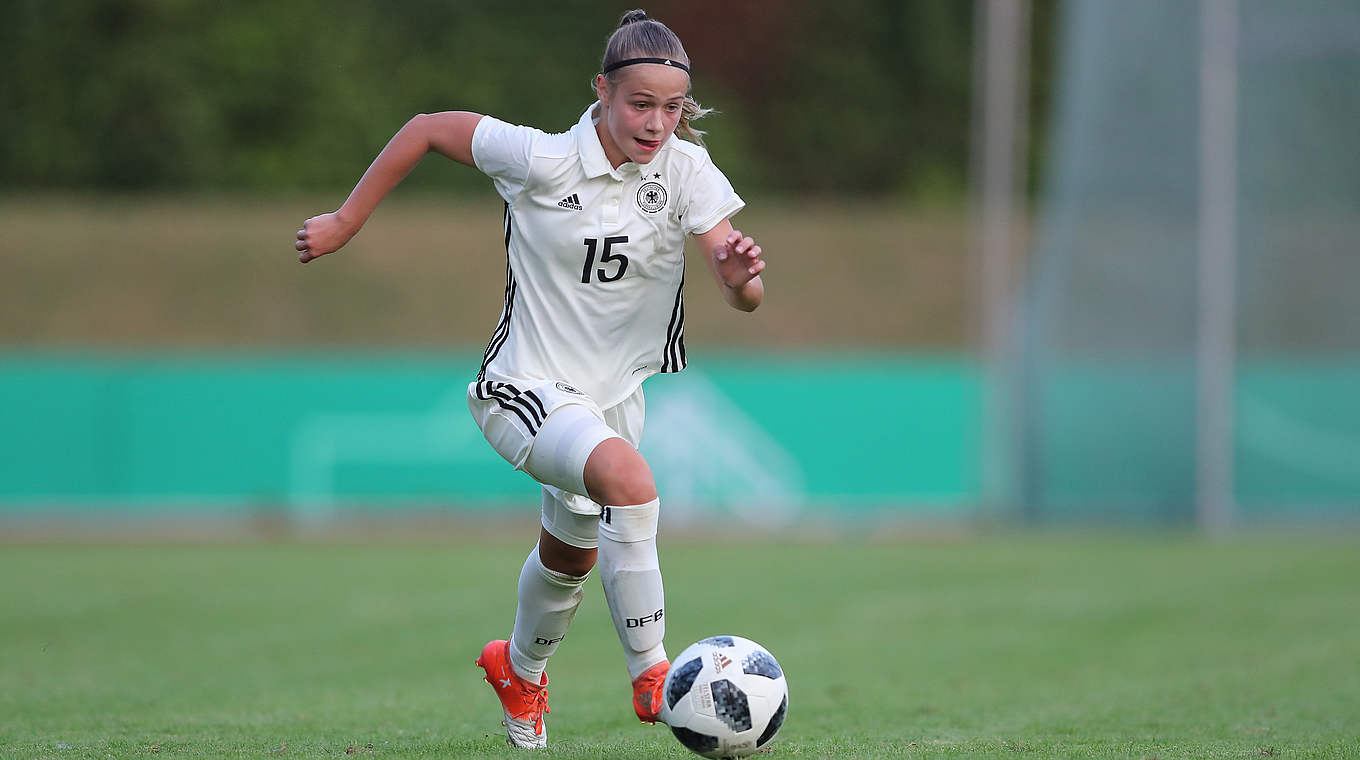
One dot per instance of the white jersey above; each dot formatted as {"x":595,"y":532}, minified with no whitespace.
{"x":595,"y":255}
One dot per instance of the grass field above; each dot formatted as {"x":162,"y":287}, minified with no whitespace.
{"x":1020,"y":646}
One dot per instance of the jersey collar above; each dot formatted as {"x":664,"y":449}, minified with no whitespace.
{"x":593,"y":160}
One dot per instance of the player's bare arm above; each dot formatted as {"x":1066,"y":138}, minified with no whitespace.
{"x":448,"y":133}
{"x":735,"y":261}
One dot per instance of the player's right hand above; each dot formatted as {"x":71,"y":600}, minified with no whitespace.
{"x":737,"y":259}
{"x":321,"y":235}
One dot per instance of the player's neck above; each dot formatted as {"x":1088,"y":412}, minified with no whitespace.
{"x":612,"y":151}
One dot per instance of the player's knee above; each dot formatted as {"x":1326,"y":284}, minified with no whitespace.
{"x":633,"y":485}
{"x":616,"y":474}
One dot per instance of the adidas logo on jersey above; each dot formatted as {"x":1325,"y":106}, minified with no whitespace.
{"x":571,"y":202}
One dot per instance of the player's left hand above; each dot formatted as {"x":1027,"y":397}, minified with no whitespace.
{"x":737,"y":259}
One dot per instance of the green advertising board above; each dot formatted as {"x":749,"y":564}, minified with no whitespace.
{"x":773,"y":435}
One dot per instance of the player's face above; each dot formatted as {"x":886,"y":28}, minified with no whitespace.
{"x":640,"y":110}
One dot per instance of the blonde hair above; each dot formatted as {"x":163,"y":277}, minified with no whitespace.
{"x":642,"y":37}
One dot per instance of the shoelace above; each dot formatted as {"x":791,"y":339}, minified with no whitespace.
{"x":538,"y":704}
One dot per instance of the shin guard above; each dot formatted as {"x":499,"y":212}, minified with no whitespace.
{"x":631,"y":575}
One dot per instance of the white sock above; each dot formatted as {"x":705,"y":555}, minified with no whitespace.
{"x":547,"y":603}
{"x":631,"y":575}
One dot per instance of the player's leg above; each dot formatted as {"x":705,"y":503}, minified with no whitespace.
{"x":572,"y":439}
{"x":617,"y":476}
{"x":577,"y":452}
{"x":551,"y":578}
{"x":549,"y":586}
{"x":549,"y":593}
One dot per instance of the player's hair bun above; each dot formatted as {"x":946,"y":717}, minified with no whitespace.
{"x":633,"y":16}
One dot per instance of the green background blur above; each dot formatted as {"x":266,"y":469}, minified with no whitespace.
{"x":165,"y":353}
{"x":160,"y":347}
{"x":862,"y":97}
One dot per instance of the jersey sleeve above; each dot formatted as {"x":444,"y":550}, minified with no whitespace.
{"x":711,"y":200}
{"x":504,"y":152}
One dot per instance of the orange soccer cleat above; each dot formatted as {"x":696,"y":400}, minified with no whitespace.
{"x":522,"y":703}
{"x":647,"y":692}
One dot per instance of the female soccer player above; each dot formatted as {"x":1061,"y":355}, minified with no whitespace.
{"x":595,"y":224}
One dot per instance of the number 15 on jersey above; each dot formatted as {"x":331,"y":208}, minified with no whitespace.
{"x":606,"y":257}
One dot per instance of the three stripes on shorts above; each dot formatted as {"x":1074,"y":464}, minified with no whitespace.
{"x":524,"y":404}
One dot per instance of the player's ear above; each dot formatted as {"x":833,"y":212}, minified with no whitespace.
{"x":601,"y":88}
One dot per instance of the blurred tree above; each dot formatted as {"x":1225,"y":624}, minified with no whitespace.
{"x":853,"y":97}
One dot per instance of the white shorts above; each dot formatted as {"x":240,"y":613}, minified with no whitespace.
{"x":548,"y":430}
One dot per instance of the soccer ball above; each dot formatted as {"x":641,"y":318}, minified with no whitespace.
{"x":726,"y":697}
